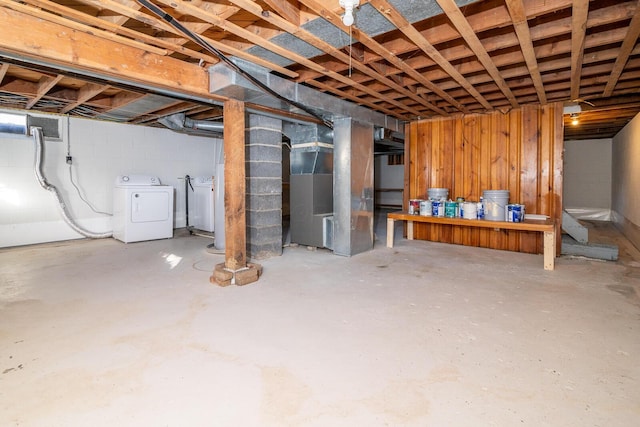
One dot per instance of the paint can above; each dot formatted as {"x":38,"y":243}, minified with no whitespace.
{"x":437,"y":208}
{"x":460,"y":202}
{"x":414,"y":206}
{"x":515,"y":212}
{"x":425,"y":208}
{"x":470,"y":210}
{"x":450,"y":209}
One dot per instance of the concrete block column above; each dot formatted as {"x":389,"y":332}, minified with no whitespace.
{"x":264,"y":187}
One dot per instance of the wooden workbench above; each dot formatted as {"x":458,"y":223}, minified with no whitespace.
{"x":545,"y":226}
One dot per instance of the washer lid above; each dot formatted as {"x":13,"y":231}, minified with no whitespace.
{"x":130,"y":180}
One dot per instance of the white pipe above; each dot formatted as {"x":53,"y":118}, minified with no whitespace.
{"x":38,"y":138}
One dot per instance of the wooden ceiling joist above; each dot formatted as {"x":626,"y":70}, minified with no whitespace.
{"x":580,"y":12}
{"x":163,"y":26}
{"x":320,"y":44}
{"x":521,"y":26}
{"x":3,"y":71}
{"x":44,"y":85}
{"x":379,"y":49}
{"x":391,"y":14}
{"x":457,"y":18}
{"x":627,"y":46}
{"x":488,"y":55}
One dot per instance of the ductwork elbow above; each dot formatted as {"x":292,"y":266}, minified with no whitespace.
{"x":181,"y":123}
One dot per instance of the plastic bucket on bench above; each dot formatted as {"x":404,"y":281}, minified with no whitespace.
{"x":494,"y":204}
{"x":440,"y":194}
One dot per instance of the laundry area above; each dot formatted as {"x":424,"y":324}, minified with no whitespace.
{"x":304,"y":213}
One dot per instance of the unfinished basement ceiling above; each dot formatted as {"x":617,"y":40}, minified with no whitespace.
{"x":408,"y":59}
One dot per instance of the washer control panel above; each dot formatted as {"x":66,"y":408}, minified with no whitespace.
{"x":128,"y":180}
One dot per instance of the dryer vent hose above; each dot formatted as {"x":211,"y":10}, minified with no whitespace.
{"x":38,"y":138}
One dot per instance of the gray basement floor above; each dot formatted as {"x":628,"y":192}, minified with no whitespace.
{"x":99,"y":333}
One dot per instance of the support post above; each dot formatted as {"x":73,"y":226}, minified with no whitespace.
{"x":235,"y":269}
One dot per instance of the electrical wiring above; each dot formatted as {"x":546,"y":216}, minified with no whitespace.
{"x":71,"y":173}
{"x":82,"y":198}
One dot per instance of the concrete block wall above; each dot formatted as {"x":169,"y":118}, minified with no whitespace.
{"x":264,"y":187}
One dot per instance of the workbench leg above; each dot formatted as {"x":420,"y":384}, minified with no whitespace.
{"x":549,"y":250}
{"x":410,"y":230}
{"x":390,"y":230}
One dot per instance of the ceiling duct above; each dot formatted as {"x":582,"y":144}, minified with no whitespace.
{"x":389,"y":141}
{"x":226,"y":82}
{"x":182,"y":123}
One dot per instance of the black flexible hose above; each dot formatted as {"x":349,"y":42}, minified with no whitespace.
{"x":204,"y":44}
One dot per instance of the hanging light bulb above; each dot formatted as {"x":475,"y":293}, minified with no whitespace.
{"x":348,"y":5}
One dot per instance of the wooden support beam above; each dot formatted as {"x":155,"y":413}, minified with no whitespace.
{"x":628,"y":44}
{"x":467,"y":32}
{"x":520,"y":24}
{"x":392,"y":15}
{"x":579,"y":14}
{"x":80,"y":27}
{"x":58,"y":45}
{"x":92,"y":22}
{"x":234,"y":185}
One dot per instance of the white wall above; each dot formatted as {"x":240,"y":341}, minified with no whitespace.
{"x":625,"y":187}
{"x":101,"y":151}
{"x":388,"y":177}
{"x":587,"y":178}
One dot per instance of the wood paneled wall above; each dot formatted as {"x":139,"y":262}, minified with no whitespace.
{"x":519,"y":151}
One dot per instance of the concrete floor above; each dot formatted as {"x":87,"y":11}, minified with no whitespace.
{"x":99,"y":333}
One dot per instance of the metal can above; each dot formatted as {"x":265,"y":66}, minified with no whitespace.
{"x":437,"y":208}
{"x":414,"y":207}
{"x":425,"y":207}
{"x":450,"y":209}
{"x":460,"y":201}
{"x":514,"y":213}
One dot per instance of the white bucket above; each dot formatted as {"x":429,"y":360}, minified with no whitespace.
{"x":438,"y":193}
{"x":495,"y":202}
{"x":425,"y":207}
{"x":469,"y":210}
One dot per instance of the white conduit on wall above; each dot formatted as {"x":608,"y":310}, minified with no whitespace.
{"x":38,"y":138}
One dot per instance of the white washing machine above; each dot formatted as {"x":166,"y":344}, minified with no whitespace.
{"x":201,"y":204}
{"x":142,"y":209}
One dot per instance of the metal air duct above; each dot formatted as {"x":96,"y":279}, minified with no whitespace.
{"x":181,"y":123}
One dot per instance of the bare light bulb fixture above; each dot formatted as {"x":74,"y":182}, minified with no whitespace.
{"x":574,"y":119}
{"x":348,"y":5}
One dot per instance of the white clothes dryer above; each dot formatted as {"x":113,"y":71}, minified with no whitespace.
{"x":142,"y":209}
